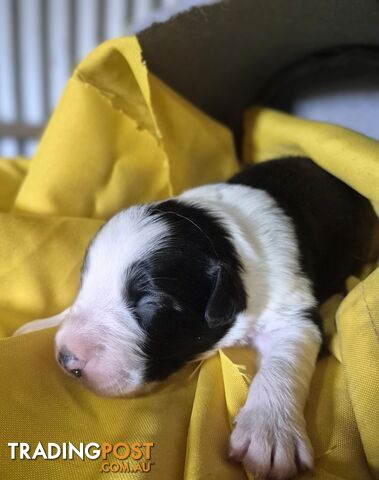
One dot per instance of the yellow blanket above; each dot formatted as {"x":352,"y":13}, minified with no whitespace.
{"x":120,"y":137}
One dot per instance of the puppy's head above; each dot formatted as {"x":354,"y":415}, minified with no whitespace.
{"x":161,"y":286}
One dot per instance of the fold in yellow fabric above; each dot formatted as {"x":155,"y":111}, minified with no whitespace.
{"x":118,"y":137}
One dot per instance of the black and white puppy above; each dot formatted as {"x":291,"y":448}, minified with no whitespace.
{"x":239,"y":263}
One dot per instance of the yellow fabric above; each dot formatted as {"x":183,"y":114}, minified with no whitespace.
{"x":119,"y":137}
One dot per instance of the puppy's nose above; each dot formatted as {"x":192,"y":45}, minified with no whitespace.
{"x":64,"y":357}
{"x":68,"y":361}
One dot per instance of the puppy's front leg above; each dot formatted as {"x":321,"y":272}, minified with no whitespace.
{"x":41,"y":324}
{"x":269,"y":434}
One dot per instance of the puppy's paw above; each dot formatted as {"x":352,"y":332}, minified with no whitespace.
{"x":269,"y":444}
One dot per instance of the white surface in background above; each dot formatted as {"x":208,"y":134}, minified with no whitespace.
{"x":31,"y":94}
{"x":86,"y":27}
{"x":58,"y":40}
{"x":168,"y":8}
{"x":354,"y":109}
{"x":8,"y":94}
{"x":116,"y":18}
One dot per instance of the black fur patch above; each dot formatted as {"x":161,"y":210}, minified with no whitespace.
{"x":186,"y":293}
{"x":333,"y":222}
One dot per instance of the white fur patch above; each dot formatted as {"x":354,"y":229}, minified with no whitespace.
{"x":269,"y":434}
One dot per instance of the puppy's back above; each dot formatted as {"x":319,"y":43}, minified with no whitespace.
{"x":334,"y":224}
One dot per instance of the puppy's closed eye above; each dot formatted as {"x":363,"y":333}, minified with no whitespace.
{"x":150,"y":304}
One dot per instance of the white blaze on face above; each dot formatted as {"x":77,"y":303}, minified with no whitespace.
{"x":98,"y":339}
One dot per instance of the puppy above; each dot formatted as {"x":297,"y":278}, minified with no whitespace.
{"x":245,"y":262}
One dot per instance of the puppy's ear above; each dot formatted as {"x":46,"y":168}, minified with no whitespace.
{"x":227,"y":298}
